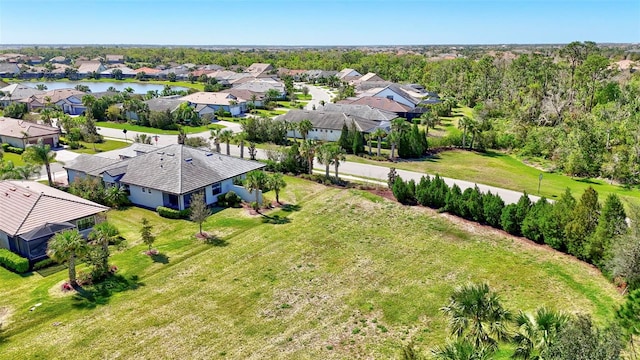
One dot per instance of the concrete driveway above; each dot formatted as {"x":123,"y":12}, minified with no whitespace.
{"x":317,"y":94}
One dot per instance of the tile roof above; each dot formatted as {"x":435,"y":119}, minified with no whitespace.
{"x":16,"y":128}
{"x":19,"y":91}
{"x":26,"y":205}
{"x":180,"y":169}
{"x":60,"y":94}
{"x":211,"y":98}
{"x":90,"y":66}
{"x":329,"y":120}
{"x":148,"y":70}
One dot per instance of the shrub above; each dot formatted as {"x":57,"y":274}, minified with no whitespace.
{"x":232,"y":199}
{"x":509,"y":219}
{"x":403,"y":192}
{"x":43,"y":264}
{"x":169,"y":213}
{"x":13,"y":262}
{"x":10,"y":149}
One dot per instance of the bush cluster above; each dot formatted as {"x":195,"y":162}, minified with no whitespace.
{"x":579,"y":228}
{"x":10,"y":149}
{"x":169,"y":213}
{"x":230,"y":199}
{"x":13,"y":262}
{"x":43,"y":264}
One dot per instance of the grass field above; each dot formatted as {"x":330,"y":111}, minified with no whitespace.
{"x":17,"y":159}
{"x":106,"y":145}
{"x":349,"y":276}
{"x":505,"y":171}
{"x":150,"y":130}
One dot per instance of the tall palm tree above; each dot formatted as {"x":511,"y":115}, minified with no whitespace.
{"x":464,"y":124}
{"x":277,"y":183}
{"x":101,"y":235}
{"x":41,"y":154}
{"x":226,"y":136}
{"x":88,"y":101}
{"x":255,"y":181}
{"x":240,"y":139}
{"x":8,"y":170}
{"x":325,"y":156}
{"x":379,"y":133}
{"x":476,"y":314}
{"x":305,"y":126}
{"x":337,"y":154}
{"x":537,"y":332}
{"x":67,"y":246}
{"x":215,"y":136}
{"x":308,"y":151}
{"x":429,"y":120}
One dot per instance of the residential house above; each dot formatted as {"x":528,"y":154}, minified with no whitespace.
{"x":347,"y":74}
{"x":262,"y":85}
{"x":148,"y":72}
{"x":32,"y":213}
{"x":170,"y":175}
{"x":69,"y":100}
{"x":17,"y":92}
{"x":368,"y":77}
{"x":115,"y":59}
{"x":396,"y":93}
{"x":89,"y":67}
{"x":206,"y":103}
{"x":327,"y":125}
{"x":361,"y":111}
{"x":35,"y":60}
{"x":59,"y":60}
{"x":9,"y":69}
{"x":387,"y":105}
{"x":20,"y":133}
{"x":248,"y":95}
{"x":127,"y":72}
{"x":319,"y":74}
{"x":259,"y":69}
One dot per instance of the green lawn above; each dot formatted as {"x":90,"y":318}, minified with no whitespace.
{"x":301,"y":96}
{"x":150,"y":130}
{"x":270,"y":113}
{"x":497,"y":169}
{"x":17,"y":159}
{"x":350,"y":276}
{"x":107,"y":145}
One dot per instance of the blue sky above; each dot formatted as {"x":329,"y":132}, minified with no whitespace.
{"x":313,"y":22}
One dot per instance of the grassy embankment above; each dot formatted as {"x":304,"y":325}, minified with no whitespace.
{"x":349,"y":276}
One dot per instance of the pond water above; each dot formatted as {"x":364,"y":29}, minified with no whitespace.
{"x":138,"y":88}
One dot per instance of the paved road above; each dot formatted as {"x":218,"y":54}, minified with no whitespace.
{"x":317,"y":94}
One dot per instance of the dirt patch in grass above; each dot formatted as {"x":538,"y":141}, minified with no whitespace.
{"x":5,"y":316}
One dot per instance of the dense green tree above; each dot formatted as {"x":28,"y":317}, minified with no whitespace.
{"x":611,"y":224}
{"x":580,"y":339}
{"x":198,"y":209}
{"x":532,"y":225}
{"x":100,"y":237}
{"x":492,"y":207}
{"x":146,"y":233}
{"x":583,"y":224}
{"x":509,"y":219}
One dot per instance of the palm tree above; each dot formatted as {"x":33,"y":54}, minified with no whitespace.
{"x":464,"y":124}
{"x":254,"y":98}
{"x":325,"y":156}
{"x":429,"y":120}
{"x":536,"y":333}
{"x":88,"y":101}
{"x":337,"y":155}
{"x":240,"y":138}
{"x":398,"y":127}
{"x":101,"y":235}
{"x":292,"y":127}
{"x":255,"y":181}
{"x":379,"y":133}
{"x":8,"y":170}
{"x":67,"y":246}
{"x":226,"y":136}
{"x":304,"y":127}
{"x":308,"y":151}
{"x":215,"y":136}
{"x":41,"y":154}
{"x":277,"y":183}
{"x":475,"y":314}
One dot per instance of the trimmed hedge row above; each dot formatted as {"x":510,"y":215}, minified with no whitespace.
{"x":43,"y":264}
{"x":169,"y":213}
{"x":13,"y":262}
{"x":10,"y":149}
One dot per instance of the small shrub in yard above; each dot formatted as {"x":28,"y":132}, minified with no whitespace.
{"x":169,"y":213}
{"x":13,"y":262}
{"x":43,"y":264}
{"x":66,"y":287}
{"x":152,"y":252}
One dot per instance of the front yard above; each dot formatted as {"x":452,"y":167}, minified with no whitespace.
{"x":107,"y":145}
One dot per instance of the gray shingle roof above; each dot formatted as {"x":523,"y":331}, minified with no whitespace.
{"x":329,"y":120}
{"x":162,"y":104}
{"x":363,"y":111}
{"x":89,"y":163}
{"x":179,"y":169}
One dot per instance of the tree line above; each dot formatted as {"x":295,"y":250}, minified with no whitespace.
{"x":599,"y":235}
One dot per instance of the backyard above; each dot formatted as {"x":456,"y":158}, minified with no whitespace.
{"x":347,"y":275}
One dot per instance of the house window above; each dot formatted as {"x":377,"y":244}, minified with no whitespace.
{"x":216,"y":189}
{"x":144,"y":189}
{"x":86,"y":223}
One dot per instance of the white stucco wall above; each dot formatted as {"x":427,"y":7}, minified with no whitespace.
{"x":395,"y":97}
{"x":72,"y":175}
{"x":151,"y":200}
{"x":319,"y":134}
{"x":4,"y":241}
